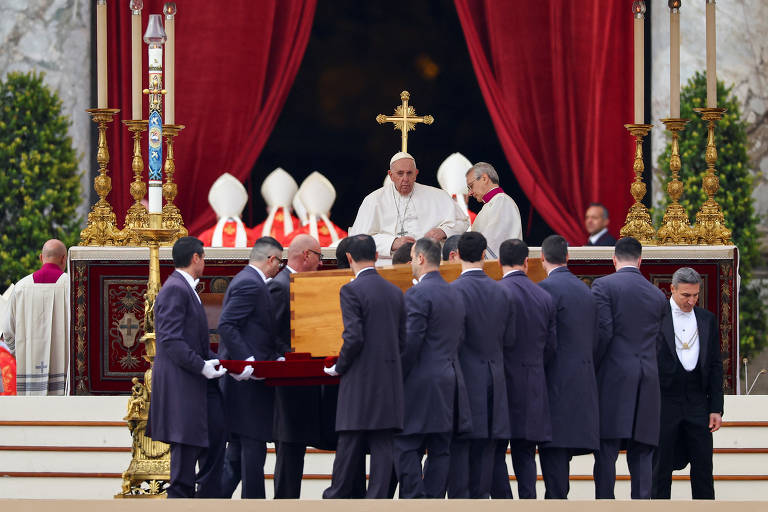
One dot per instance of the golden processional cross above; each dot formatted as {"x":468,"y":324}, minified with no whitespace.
{"x":405,"y":119}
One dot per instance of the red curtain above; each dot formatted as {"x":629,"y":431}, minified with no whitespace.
{"x":235,"y":63}
{"x":557,"y":79}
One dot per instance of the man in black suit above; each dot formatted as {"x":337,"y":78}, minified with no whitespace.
{"x":489,"y":324}
{"x":370,"y":405}
{"x":247,"y":331}
{"x":186,"y":407}
{"x":298,"y":409}
{"x":533,"y":344}
{"x":596,"y":221}
{"x":629,"y":310}
{"x":434,"y":385}
{"x":571,"y":383}
{"x":691,"y":376}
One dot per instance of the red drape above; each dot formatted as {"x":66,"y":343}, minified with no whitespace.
{"x":557,"y":79}
{"x":235,"y":63}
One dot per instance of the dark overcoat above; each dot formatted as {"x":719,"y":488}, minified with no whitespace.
{"x":371,"y":387}
{"x":490,"y":313}
{"x":571,"y":382}
{"x":434,"y":383}
{"x":629,"y":310}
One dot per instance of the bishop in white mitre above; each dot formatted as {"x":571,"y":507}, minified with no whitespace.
{"x":499,"y":219}
{"x":227,"y":197}
{"x":403,"y":211}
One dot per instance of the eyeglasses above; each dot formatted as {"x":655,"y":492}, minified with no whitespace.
{"x":280,"y":263}
{"x":470,"y":184}
{"x":316,"y":253}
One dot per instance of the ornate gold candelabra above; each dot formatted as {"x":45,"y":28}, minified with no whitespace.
{"x":137,"y":216}
{"x":102,"y":228}
{"x":638,"y":223}
{"x":710,"y":224}
{"x":675,"y":228}
{"x":149,"y":472}
{"x":171,"y":214}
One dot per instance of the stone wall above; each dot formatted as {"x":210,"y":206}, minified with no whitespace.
{"x":54,"y":36}
{"x":742,"y":51}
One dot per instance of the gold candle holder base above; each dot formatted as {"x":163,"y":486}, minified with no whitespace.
{"x":675,"y":228}
{"x":710,"y":223}
{"x":149,"y":471}
{"x":638,"y":223}
{"x":171,"y":214}
{"x":137,"y":216}
{"x":102,"y":226}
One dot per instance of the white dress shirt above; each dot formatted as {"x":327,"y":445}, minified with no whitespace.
{"x":261,"y":274}
{"x":594,"y":238}
{"x":686,"y":331}
{"x":191,"y":281}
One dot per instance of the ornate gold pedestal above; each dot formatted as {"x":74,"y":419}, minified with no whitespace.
{"x":710,"y":224}
{"x":102,"y":228}
{"x":638,"y":223}
{"x":171,"y":214}
{"x":675,"y":228}
{"x":149,"y":472}
{"x":137,"y":216}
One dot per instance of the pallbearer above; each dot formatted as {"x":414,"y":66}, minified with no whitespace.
{"x":434,"y":384}
{"x":571,"y":382}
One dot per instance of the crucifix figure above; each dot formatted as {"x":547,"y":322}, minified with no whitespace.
{"x":405,"y":119}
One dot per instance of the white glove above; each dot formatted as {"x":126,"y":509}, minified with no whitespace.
{"x":281,"y":358}
{"x":251,"y":359}
{"x":331,"y":371}
{"x":245,"y":375}
{"x":250,"y":375}
{"x":210,"y":371}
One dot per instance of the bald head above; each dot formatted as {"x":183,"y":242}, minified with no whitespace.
{"x":54,"y":251}
{"x":304,"y":254}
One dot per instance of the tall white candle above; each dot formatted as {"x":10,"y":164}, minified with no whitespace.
{"x":169,"y":9}
{"x":711,"y":57}
{"x":101,"y":53}
{"x":674,"y":62}
{"x":155,"y":37}
{"x":136,"y":98}
{"x":638,"y":10}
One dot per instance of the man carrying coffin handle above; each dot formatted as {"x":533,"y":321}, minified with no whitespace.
{"x":370,"y":405}
{"x":186,"y":407}
{"x":435,"y":392}
{"x":488,"y":325}
{"x":629,"y":310}
{"x":247,"y":331}
{"x":571,"y":383}
{"x":691,"y":375}
{"x":403,"y":210}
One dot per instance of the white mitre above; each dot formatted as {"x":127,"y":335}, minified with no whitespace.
{"x":298,"y":207}
{"x":318,"y":194}
{"x":278,"y":190}
{"x":452,"y":178}
{"x":228,"y":197}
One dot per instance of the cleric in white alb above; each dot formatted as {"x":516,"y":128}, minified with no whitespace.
{"x":499,"y":219}
{"x":402,"y":210}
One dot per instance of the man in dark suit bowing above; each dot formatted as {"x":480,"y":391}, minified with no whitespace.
{"x":246,"y":328}
{"x":571,"y":382}
{"x":533,"y":344}
{"x":629,"y":310}
{"x":488,"y":326}
{"x":370,"y":405}
{"x":596,"y":221}
{"x":186,"y":407}
{"x":298,"y":409}
{"x":435,"y":392}
{"x":691,"y":375}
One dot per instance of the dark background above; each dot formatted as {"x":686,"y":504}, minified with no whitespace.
{"x":360,"y":56}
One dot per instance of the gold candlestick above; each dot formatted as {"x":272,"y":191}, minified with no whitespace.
{"x":149,"y":471}
{"x":638,"y":223}
{"x":137,"y":216}
{"x":171,"y":214}
{"x":102,"y":227}
{"x":675,"y":229}
{"x":710,"y":224}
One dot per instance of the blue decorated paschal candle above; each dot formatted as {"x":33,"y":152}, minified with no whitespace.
{"x":155,"y":37}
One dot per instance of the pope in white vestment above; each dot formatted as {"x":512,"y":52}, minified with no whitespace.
{"x":403,"y":211}
{"x":499,"y":219}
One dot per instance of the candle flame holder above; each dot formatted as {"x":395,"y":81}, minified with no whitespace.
{"x":638,"y":224}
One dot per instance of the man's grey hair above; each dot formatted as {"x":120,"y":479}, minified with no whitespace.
{"x":685,"y":275}
{"x":481,"y":168}
{"x":602,"y":207}
{"x":263,"y":249}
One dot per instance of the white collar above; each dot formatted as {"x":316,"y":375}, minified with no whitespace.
{"x":553,"y":269}
{"x":361,"y":271}
{"x":289,"y":269}
{"x":594,"y":238}
{"x":677,"y":311}
{"x":189,"y":279}
{"x":470,"y":270}
{"x":261,"y":274}
{"x":512,"y":272}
